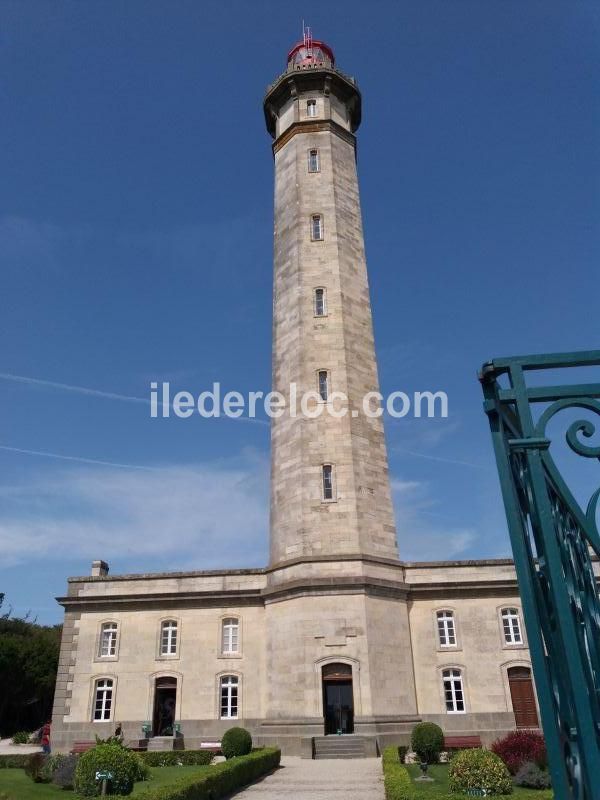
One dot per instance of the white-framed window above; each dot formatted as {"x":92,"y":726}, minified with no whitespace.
{"x":230,"y":635}
{"x":320,"y":302}
{"x":316,"y":228}
{"x":454,"y":696}
{"x":327,"y":476}
{"x":228,"y":690}
{"x":103,"y":699}
{"x":323,"y":384}
{"x":311,"y":108}
{"x":168,"y":637}
{"x":314,"y":160}
{"x":446,"y":628}
{"x":108,"y":640}
{"x":511,"y":626}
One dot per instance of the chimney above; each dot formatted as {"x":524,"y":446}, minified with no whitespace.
{"x":99,"y":569}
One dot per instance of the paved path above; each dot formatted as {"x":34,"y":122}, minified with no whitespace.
{"x":303,"y":779}
{"x":7,"y":748}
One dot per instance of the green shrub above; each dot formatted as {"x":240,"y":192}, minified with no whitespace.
{"x":14,"y":762}
{"x":236,"y":742}
{"x":221,"y":780}
{"x":174,"y":758}
{"x":63,"y":774}
{"x":36,"y":768}
{"x":479,"y":769}
{"x":396,"y":780}
{"x":21,"y":737}
{"x":124,"y":764}
{"x":427,"y":741}
{"x":530,"y":776}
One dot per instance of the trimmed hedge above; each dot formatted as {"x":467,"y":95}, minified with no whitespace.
{"x":427,"y":740}
{"x":173,"y":758}
{"x":14,"y":762}
{"x":236,"y":742}
{"x":396,"y":780}
{"x":479,"y":769}
{"x":124,"y":764}
{"x":221,"y":779}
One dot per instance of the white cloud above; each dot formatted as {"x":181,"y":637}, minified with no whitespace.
{"x":185,"y":517}
{"x":423,"y":533}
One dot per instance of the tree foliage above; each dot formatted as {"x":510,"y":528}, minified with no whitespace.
{"x":28,"y":664}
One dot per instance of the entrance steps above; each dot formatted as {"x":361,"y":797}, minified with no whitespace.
{"x":344,"y":746}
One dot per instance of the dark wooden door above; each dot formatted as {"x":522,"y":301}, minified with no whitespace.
{"x":523,"y":697}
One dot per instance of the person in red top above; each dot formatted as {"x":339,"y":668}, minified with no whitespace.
{"x":45,"y":740}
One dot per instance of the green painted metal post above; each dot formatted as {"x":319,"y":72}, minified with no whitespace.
{"x":551,"y":538}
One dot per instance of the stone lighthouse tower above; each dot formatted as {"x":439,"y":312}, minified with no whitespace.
{"x":338,"y":645}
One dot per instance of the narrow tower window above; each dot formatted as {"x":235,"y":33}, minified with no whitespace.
{"x":314,"y":162}
{"x":108,"y":640}
{"x":320,"y":303}
{"x":229,"y":697}
{"x":511,"y":625}
{"x":453,"y":691}
{"x":446,"y":629}
{"x":323,"y":384}
{"x":311,"y":108}
{"x":316,"y":227}
{"x":103,"y":697}
{"x":327,"y":482}
{"x":168,"y":638}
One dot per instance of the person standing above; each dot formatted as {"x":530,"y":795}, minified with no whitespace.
{"x":45,"y":740}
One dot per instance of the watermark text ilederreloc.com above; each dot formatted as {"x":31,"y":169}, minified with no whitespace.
{"x":312,"y":404}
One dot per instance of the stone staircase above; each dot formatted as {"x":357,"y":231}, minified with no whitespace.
{"x":345,"y":746}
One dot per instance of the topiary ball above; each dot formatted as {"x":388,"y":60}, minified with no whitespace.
{"x":236,"y":742}
{"x":479,"y":769}
{"x":427,"y":740}
{"x":124,"y":765}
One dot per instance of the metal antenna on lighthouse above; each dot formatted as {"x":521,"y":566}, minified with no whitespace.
{"x":307,"y":38}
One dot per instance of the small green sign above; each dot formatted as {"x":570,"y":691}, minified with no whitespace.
{"x":104,"y":776}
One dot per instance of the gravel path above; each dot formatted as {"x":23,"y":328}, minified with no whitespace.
{"x":7,"y":748}
{"x":303,"y":779}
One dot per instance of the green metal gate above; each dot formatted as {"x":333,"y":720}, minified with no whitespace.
{"x":554,"y":541}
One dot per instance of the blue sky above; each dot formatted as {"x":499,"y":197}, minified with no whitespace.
{"x":136,"y":245}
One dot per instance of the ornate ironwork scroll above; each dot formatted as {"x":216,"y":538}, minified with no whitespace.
{"x":556,"y":546}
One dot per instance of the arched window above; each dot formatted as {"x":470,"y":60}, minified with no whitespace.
{"x":511,"y":626}
{"x":311,"y":108}
{"x":314,"y":161}
{"x":316,"y":228}
{"x":229,"y":685}
{"x":168,"y":637}
{"x":103,"y":699}
{"x":108,"y":640}
{"x":446,"y":628}
{"x":323,"y":384}
{"x":230,"y":635}
{"x":453,"y":691}
{"x":320,"y":302}
{"x":327,"y":482}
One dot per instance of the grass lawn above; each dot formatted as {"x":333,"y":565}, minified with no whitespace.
{"x":18,"y":786}
{"x":439,"y":773}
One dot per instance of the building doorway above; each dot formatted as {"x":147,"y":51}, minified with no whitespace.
{"x":338,"y":698}
{"x":165,"y":702}
{"x":523,"y":697}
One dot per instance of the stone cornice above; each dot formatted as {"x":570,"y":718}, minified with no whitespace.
{"x":312,"y":126}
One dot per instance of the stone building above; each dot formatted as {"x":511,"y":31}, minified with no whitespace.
{"x":336,"y":634}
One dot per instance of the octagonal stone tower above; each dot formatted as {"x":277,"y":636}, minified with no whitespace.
{"x":322,"y":327}
{"x":338,"y":642}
